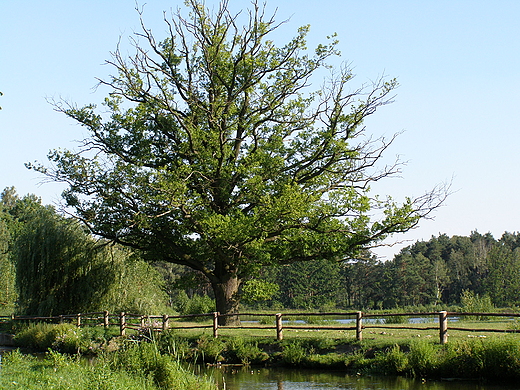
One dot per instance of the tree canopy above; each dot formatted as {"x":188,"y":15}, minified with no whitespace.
{"x":217,"y":154}
{"x":50,"y":264}
{"x":440,"y":271}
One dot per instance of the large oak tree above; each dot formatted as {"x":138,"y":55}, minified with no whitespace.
{"x":216,"y":153}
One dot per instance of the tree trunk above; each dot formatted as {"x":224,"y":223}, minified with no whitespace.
{"x":227,"y":301}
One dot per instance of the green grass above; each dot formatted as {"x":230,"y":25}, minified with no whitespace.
{"x":138,"y":367}
{"x":65,"y":337}
{"x":58,"y":371}
{"x":496,"y":360}
{"x":372,"y":334}
{"x":398,"y":351}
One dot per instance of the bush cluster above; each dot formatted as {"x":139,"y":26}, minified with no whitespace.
{"x":66,"y":338}
{"x":146,"y":360}
{"x":490,"y":359}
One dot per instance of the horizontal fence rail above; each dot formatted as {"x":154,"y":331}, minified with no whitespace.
{"x":161,"y":323}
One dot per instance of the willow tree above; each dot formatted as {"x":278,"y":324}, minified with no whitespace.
{"x":62,"y":269}
{"x":7,"y":270}
{"x":213,"y":152}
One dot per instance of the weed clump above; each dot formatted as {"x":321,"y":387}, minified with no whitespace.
{"x":66,"y":338}
{"x":245,"y":352}
{"x":146,"y":360}
{"x":311,"y":353}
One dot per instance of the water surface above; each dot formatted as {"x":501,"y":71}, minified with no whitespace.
{"x":243,"y":378}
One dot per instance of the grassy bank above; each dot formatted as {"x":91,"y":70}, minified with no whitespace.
{"x":396,"y":352}
{"x":497,"y":360}
{"x":113,"y":363}
{"x":496,"y":357}
{"x":140,"y":367}
{"x":57,"y":371}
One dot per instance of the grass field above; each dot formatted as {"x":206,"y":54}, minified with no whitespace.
{"x":373,"y":333}
{"x":395,"y":351}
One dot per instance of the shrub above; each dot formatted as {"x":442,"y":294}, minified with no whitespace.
{"x":43,"y":336}
{"x":210,"y":349}
{"x":358,"y":361}
{"x":245,"y":352}
{"x":461,"y":359}
{"x":293,"y":353}
{"x":393,"y":361}
{"x":67,"y":338}
{"x":171,"y":343}
{"x":34,"y":336}
{"x":472,"y":302}
{"x":199,"y":304}
{"x":496,"y":359}
{"x":501,"y":358}
{"x":422,"y":358}
{"x":397,"y":320}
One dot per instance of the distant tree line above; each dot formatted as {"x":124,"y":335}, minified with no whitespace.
{"x":440,"y":272}
{"x":50,"y":264}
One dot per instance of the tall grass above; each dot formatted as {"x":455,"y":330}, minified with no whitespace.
{"x":67,"y":338}
{"x":157,"y":358}
{"x":139,"y":366}
{"x":145,"y":360}
{"x":61,"y":372}
{"x":311,"y":353}
{"x":497,"y":359}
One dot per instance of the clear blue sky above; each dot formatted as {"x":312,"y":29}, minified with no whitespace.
{"x":457,"y":61}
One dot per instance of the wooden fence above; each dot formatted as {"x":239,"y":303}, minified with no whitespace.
{"x":163,"y":322}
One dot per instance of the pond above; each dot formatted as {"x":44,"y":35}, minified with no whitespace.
{"x":250,"y":378}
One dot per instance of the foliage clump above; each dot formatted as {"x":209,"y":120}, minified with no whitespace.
{"x":473,"y":303}
{"x":496,"y":359}
{"x":65,"y":338}
{"x":51,"y":265}
{"x":145,"y":360}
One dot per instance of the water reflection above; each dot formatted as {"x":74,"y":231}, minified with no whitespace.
{"x":243,"y":378}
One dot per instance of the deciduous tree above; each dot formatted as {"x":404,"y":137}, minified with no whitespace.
{"x":217,"y":154}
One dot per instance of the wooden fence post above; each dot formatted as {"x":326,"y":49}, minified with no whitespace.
{"x":165,"y":322}
{"x":105,"y":319}
{"x":359,"y":325}
{"x":443,"y":327}
{"x":78,"y":320}
{"x":60,"y":319}
{"x":122,"y":323}
{"x":215,"y":323}
{"x":279,"y":328}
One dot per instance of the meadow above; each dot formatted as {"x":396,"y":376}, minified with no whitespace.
{"x":147,"y":359}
